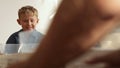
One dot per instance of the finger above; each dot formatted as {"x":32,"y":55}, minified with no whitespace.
{"x":109,"y":58}
{"x":96,"y":60}
{"x":109,"y":66}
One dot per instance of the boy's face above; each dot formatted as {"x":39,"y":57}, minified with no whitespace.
{"x":28,"y":22}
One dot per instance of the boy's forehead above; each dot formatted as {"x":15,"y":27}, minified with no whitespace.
{"x":24,"y":15}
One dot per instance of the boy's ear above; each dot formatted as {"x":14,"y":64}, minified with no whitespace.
{"x":37,"y":20}
{"x":18,"y":21}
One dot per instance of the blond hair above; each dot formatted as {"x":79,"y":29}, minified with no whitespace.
{"x":27,"y":10}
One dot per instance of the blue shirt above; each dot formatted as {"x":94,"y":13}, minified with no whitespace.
{"x":12,"y":44}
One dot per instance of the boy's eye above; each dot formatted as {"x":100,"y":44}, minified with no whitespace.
{"x":32,"y":20}
{"x":25,"y":20}
{"x":28,"y":21}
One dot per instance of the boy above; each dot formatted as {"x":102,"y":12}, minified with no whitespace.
{"x":28,"y":19}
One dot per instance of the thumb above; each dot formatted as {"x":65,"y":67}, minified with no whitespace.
{"x":95,"y":60}
{"x":110,"y":58}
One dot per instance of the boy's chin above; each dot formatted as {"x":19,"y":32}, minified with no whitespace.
{"x":29,"y":30}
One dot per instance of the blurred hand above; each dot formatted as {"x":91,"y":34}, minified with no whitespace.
{"x":111,"y":60}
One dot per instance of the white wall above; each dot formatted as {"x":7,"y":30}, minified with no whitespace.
{"x":8,"y":15}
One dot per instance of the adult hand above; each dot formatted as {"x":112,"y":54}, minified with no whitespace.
{"x":112,"y":60}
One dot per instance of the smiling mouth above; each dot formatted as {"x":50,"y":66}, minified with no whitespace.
{"x":29,"y":28}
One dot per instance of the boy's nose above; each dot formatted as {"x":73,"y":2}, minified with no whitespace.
{"x":29,"y":23}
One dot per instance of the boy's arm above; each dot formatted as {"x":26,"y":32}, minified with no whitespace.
{"x":77,"y":26}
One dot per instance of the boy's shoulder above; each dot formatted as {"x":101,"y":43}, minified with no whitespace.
{"x":16,"y":33}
